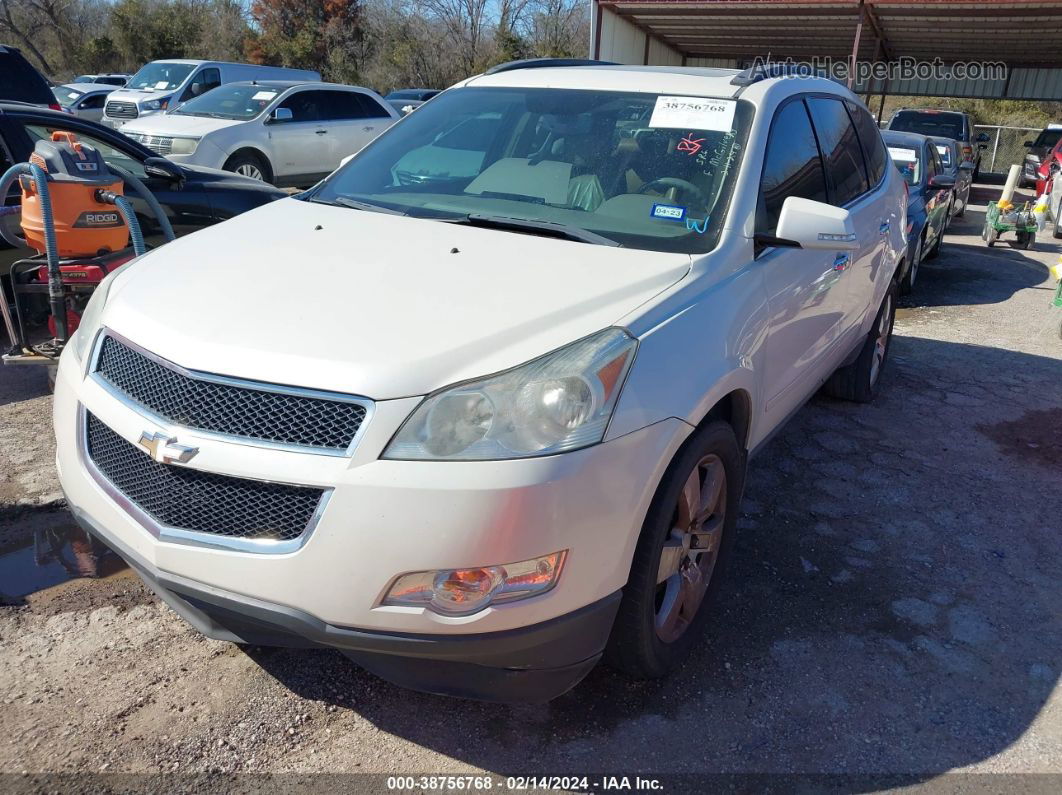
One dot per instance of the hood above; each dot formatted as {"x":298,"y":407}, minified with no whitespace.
{"x":175,"y":124}
{"x":370,"y":304}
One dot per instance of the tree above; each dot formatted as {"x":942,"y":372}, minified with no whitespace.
{"x":308,"y":34}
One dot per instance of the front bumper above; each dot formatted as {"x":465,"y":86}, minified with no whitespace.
{"x":530,"y":664}
{"x":386,"y":518}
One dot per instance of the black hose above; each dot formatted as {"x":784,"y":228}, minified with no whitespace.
{"x":147,"y":196}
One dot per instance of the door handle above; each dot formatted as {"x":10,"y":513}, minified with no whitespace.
{"x":841,"y":262}
{"x":884,"y":228}
{"x":320,"y":132}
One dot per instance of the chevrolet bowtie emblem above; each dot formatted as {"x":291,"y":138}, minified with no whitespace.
{"x":165,"y":449}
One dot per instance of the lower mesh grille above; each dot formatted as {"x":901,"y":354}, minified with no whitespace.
{"x":203,"y":502}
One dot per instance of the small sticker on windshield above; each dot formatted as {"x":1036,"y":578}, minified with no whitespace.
{"x":264,"y":95}
{"x":162,"y":84}
{"x":694,"y":113}
{"x":668,"y":212}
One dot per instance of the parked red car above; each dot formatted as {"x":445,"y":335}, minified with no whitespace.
{"x":1050,"y":165}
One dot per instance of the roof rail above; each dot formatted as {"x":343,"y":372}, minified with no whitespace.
{"x":538,"y":63}
{"x":764,"y":71}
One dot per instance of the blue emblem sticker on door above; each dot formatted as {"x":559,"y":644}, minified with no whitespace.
{"x":668,"y":212}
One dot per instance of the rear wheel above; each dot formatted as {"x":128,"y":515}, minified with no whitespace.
{"x":685,"y":541}
{"x":248,"y":164}
{"x":859,"y":381}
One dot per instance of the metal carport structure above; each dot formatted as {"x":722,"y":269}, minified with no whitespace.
{"x":1025,"y":36}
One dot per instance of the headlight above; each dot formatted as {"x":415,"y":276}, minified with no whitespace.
{"x":156,"y":104}
{"x":1032,"y":159}
{"x":562,"y":401}
{"x":183,"y":146}
{"x":461,"y":592}
{"x":90,"y":318}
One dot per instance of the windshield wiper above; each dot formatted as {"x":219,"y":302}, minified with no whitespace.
{"x":533,"y":226}
{"x":357,"y":204}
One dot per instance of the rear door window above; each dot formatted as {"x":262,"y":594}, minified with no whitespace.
{"x":874,"y":153}
{"x":792,"y":166}
{"x":845,"y":170}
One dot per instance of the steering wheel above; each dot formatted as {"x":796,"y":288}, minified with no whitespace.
{"x":674,"y":183}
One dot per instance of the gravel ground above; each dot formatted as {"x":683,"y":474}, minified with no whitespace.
{"x":893,"y":606}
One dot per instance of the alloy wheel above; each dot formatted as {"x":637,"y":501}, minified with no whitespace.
{"x":250,"y":170}
{"x":691,"y":549}
{"x":881,"y":343}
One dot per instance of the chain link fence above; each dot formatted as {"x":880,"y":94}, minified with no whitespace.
{"x":1005,"y":146}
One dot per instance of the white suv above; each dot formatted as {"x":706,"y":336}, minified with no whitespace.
{"x":481,"y":418}
{"x":287,"y":133}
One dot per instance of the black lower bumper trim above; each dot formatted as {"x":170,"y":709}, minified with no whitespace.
{"x":534,"y":663}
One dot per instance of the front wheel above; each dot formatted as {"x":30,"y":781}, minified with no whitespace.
{"x":908,"y":282}
{"x":248,"y":164}
{"x":685,"y":541}
{"x":859,"y":381}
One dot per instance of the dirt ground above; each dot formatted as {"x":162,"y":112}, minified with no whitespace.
{"x":894,"y":605}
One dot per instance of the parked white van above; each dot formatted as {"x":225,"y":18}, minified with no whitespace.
{"x":162,"y":85}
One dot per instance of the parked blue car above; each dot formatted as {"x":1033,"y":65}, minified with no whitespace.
{"x":931,"y":194}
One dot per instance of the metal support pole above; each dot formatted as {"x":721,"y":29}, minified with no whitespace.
{"x":995,"y":148}
{"x":881,"y":105}
{"x":855,"y":45}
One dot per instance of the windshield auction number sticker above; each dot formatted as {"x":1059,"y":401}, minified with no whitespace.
{"x":697,"y":113}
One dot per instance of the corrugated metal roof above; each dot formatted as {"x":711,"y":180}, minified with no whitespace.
{"x":1026,"y":36}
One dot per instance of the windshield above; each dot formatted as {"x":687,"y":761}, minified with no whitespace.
{"x":644,"y":170}
{"x":66,"y":96}
{"x":1048,"y":138}
{"x":942,"y":125}
{"x":85,"y":79}
{"x":160,"y":76}
{"x":233,"y":101}
{"x":906,"y":159}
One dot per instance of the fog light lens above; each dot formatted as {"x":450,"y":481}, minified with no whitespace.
{"x":461,"y":592}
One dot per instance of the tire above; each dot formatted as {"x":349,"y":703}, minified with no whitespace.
{"x":658,"y":621}
{"x":1058,"y":228}
{"x":935,"y":250}
{"x":249,"y":164}
{"x":859,"y":381}
{"x":908,"y":282}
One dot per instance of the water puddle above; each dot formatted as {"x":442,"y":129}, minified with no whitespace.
{"x":52,"y":555}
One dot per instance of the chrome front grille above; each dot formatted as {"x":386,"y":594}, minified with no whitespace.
{"x":262,"y":413}
{"x":191,"y":500}
{"x":121,"y":110}
{"x":159,"y":144}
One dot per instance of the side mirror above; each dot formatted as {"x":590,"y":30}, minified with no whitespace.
{"x":280,"y":115}
{"x":346,"y":160}
{"x":816,"y":225}
{"x":1028,"y":144}
{"x":164,"y":169}
{"x":982,"y":138}
{"x":941,"y":181}
{"x":196,"y":89}
{"x":1055,"y":167}
{"x":982,"y":146}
